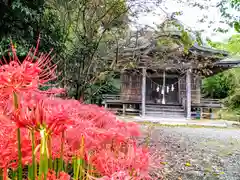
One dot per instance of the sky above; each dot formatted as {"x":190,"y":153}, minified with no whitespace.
{"x":190,"y":17}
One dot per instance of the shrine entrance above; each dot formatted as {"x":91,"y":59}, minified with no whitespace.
{"x":162,"y":91}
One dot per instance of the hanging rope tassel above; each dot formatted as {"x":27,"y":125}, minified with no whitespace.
{"x":163,"y":89}
{"x":172,"y":88}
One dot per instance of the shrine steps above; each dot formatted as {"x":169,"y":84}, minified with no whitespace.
{"x":165,"y":111}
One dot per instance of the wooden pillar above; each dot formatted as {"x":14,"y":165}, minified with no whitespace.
{"x":179,"y":90}
{"x":198,"y":89}
{"x":188,"y":93}
{"x":124,"y":109}
{"x":144,"y":72}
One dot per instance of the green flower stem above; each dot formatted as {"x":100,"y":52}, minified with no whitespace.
{"x":34,"y":172}
{"x":19,"y":155}
{"x":60,"y":168}
{"x":1,"y":174}
{"x":50,"y":152}
{"x":43,"y":165}
{"x":15,"y":102}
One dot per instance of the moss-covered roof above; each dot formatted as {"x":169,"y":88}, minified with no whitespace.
{"x":167,"y":48}
{"x":172,"y":47}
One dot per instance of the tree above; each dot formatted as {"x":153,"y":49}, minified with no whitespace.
{"x":230,"y":10}
{"x":218,"y":86}
{"x":23,"y":21}
{"x":86,"y":35}
{"x":89,"y":24}
{"x":226,"y":84}
{"x":83,"y":33}
{"x":232,"y":46}
{"x":92,"y":29}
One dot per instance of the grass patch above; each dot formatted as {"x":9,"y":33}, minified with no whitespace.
{"x":156,"y":124}
{"x":229,"y":115}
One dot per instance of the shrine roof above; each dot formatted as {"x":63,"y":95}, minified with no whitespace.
{"x":165,"y":49}
{"x":229,"y":62}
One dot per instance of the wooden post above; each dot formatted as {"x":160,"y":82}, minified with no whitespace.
{"x":188,"y":93}
{"x":198,"y":89}
{"x":144,"y":72}
{"x":201,"y":111}
{"x":124,"y":109}
{"x":179,"y":90}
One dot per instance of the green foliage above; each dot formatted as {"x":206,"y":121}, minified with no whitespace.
{"x":89,"y":27}
{"x":232,"y":46}
{"x":218,"y":86}
{"x":187,"y":41}
{"x":186,"y":38}
{"x":96,"y":91}
{"x":233,"y":101}
{"x":230,"y":11}
{"x":227,"y":84}
{"x":184,"y":41}
{"x":235,"y":4}
{"x":23,"y":21}
{"x":172,"y":27}
{"x":51,"y":32}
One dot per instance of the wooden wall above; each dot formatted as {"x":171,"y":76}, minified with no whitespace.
{"x":195,"y":86}
{"x":131,"y":86}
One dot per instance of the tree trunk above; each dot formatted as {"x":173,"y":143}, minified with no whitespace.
{"x":79,"y":93}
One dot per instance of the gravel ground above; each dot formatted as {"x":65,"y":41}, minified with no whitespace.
{"x":198,"y":153}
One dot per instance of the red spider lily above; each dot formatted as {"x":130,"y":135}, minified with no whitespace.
{"x":56,"y":149}
{"x":71,"y":129}
{"x":129,"y":129}
{"x":49,"y":113}
{"x":104,"y":136}
{"x":103,"y":119}
{"x":34,"y":71}
{"x":8,"y":152}
{"x":8,"y":146}
{"x":100,"y":130}
{"x":98,"y":127}
{"x":122,"y":175}
{"x":107,"y":138}
{"x":134,"y":161}
{"x":62,"y":176}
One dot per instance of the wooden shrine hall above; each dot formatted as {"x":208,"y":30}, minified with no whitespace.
{"x":161,"y":77}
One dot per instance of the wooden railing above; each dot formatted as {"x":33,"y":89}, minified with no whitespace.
{"x":120,"y":98}
{"x":212,"y":102}
{"x":111,"y":97}
{"x":203,"y":102}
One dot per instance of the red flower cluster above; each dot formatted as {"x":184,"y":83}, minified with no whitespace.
{"x":62,"y":176}
{"x":73,"y":130}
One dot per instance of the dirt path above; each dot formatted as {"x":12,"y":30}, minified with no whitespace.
{"x":198,"y":153}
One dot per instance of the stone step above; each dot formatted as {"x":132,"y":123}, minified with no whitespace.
{"x":165,"y":109}
{"x":167,"y":105}
{"x":162,"y":112}
{"x":159,"y":115}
